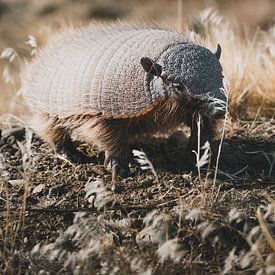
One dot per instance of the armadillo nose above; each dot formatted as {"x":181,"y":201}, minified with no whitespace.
{"x":217,"y":108}
{"x":217,"y":113}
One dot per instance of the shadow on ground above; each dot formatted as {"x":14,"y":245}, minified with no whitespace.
{"x":241,"y":158}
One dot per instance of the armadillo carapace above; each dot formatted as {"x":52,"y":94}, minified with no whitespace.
{"x":115,"y":84}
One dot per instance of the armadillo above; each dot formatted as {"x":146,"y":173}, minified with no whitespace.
{"x":115,"y":84}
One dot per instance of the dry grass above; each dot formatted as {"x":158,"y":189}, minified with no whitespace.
{"x":198,"y":222}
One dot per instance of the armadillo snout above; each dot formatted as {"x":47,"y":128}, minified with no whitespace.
{"x":217,"y":109}
{"x":217,"y":114}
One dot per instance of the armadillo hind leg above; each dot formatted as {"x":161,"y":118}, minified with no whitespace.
{"x":68,"y":150}
{"x":58,"y":136}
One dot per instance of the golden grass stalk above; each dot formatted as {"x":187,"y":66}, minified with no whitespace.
{"x":265,"y":229}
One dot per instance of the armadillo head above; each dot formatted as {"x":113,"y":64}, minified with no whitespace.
{"x":192,"y":73}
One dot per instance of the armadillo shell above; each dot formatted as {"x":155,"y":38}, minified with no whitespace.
{"x":96,"y":69}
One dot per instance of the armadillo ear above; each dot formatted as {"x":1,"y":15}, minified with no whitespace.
{"x":218,"y":51}
{"x":151,"y":66}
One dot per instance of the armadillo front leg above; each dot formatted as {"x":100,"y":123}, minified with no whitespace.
{"x":206,"y":134}
{"x":115,"y":139}
{"x":118,"y":162}
{"x":60,"y":138}
{"x":68,"y":150}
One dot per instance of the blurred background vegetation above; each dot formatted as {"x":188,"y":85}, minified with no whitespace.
{"x":42,"y":18}
{"x":19,"y":18}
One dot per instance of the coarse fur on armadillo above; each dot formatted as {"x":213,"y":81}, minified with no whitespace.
{"x":91,"y":82}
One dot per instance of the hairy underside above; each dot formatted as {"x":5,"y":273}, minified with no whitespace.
{"x":113,"y":135}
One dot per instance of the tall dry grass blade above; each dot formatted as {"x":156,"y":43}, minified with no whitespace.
{"x":265,"y":229}
{"x":221,"y":141}
{"x":145,"y":163}
{"x":197,"y":154}
{"x":179,"y":15}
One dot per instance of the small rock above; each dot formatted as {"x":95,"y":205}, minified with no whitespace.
{"x":17,"y":183}
{"x":38,"y":189}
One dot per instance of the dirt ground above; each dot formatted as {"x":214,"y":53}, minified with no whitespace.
{"x":46,"y":197}
{"x":58,"y":217}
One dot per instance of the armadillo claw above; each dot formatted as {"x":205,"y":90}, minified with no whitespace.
{"x":114,"y":172}
{"x":107,"y":159}
{"x":119,"y":168}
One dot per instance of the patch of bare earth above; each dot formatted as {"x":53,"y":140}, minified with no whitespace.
{"x":63,"y":218}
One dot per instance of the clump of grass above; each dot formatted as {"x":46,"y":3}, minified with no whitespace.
{"x":13,"y":59}
{"x":13,"y":222}
{"x":171,"y":249}
{"x":92,"y":244}
{"x":97,"y":194}
{"x":260,"y":256}
{"x":145,"y":163}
